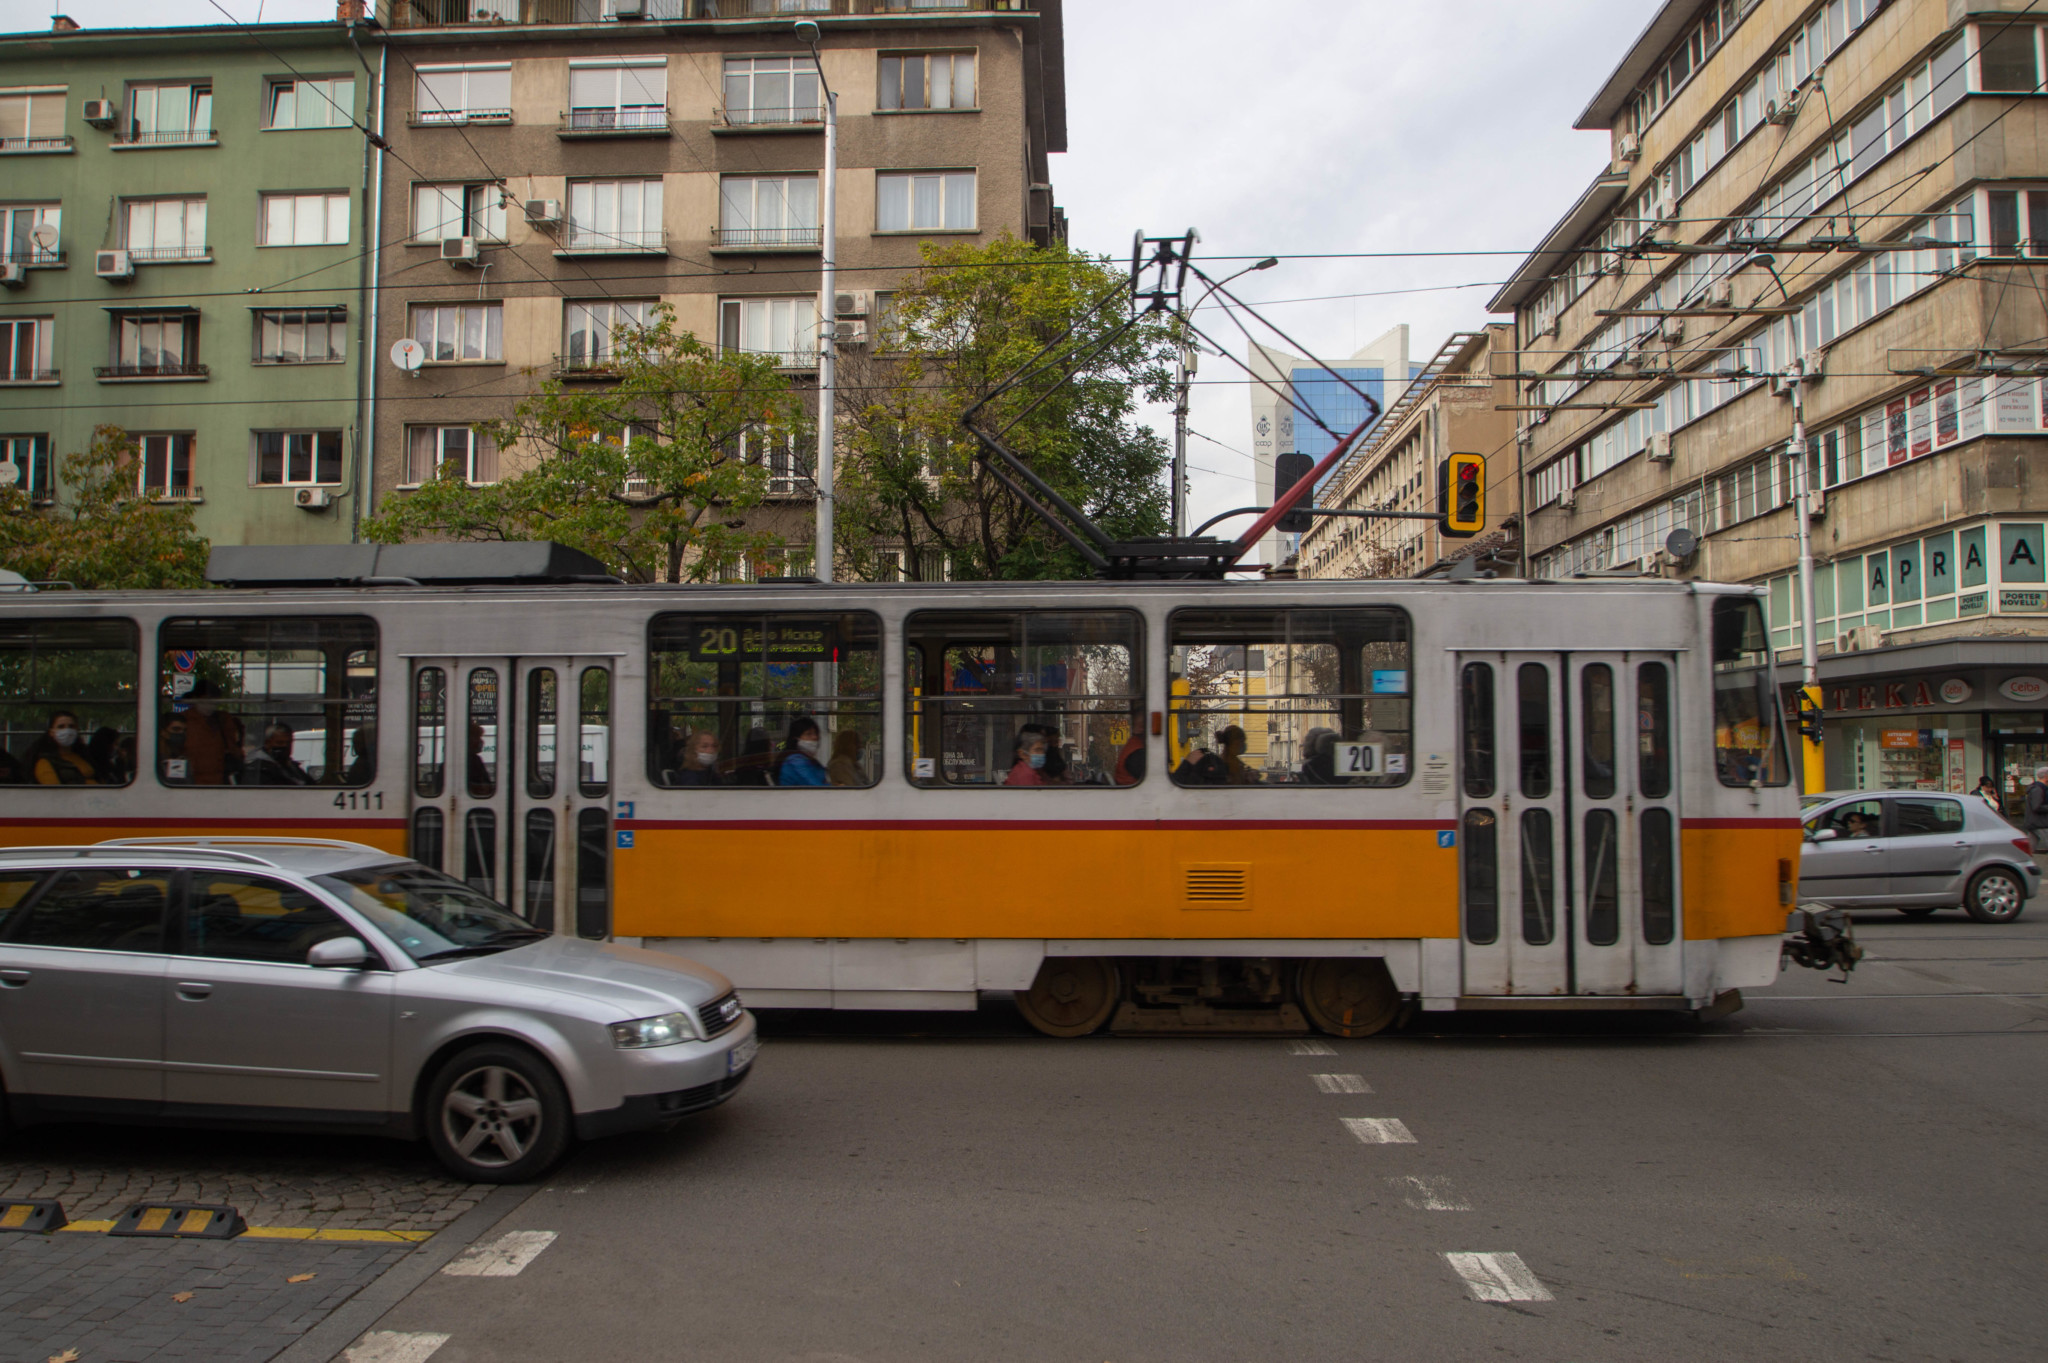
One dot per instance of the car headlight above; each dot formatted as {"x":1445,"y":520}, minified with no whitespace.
{"x":665,"y":1030}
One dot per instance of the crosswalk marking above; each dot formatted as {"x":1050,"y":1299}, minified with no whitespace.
{"x":1428,"y":1193}
{"x":1379,"y":1130}
{"x":1310,"y":1048}
{"x":1341,"y":1083}
{"x":503,"y":1257}
{"x":391,"y":1346}
{"x":1498,"y":1277}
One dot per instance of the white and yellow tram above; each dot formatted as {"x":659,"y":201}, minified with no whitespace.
{"x":1255,"y":804}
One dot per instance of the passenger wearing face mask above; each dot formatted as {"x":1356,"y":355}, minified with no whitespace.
{"x":797,"y":764}
{"x":1027,"y":767}
{"x":55,"y":757}
{"x":172,"y":764}
{"x":697,"y":763}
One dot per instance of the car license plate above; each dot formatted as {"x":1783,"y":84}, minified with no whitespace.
{"x":742,"y":1055}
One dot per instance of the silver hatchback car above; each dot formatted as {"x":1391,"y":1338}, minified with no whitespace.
{"x":330,"y":986}
{"x":1915,"y":851}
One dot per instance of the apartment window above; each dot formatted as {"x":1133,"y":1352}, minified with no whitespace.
{"x":166,"y":229}
{"x":166,"y":466}
{"x":310,"y":103}
{"x":156,"y":345}
{"x":32,"y":120}
{"x":305,"y":220}
{"x":19,"y":243}
{"x":26,"y":345}
{"x":314,"y":336}
{"x":927,"y":80}
{"x":431,"y":448}
{"x":163,"y":115}
{"x":2017,"y":219}
{"x":785,"y":328}
{"x":589,"y":327}
{"x":772,"y":90}
{"x":789,"y":473}
{"x":460,"y":333}
{"x":443,"y":211}
{"x":618,"y":95}
{"x":615,"y":215}
{"x":463,"y":94}
{"x":2006,"y":61}
{"x":30,"y":455}
{"x":756,"y":210}
{"x":925,"y":201}
{"x":297,"y":458}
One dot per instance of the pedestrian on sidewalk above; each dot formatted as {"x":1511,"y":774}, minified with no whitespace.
{"x":2037,"y":810}
{"x":1987,"y":791}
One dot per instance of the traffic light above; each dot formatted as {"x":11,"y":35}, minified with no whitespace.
{"x":1461,"y":496}
{"x":1289,"y":469}
{"x":1812,"y":723}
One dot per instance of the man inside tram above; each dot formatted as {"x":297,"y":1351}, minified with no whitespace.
{"x":273,"y":763}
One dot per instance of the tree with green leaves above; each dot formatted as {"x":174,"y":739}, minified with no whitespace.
{"x":972,"y":316}
{"x":101,"y":532}
{"x":647,"y":472}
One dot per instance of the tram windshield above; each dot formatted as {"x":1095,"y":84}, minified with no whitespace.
{"x":1749,"y":741}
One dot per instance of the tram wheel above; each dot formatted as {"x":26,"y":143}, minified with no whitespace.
{"x":1072,"y":996}
{"x":1349,"y":997}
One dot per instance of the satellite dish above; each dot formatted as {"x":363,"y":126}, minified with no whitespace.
{"x":10,"y":473}
{"x":1681,"y":543}
{"x":408,"y":355}
{"x":43,"y":236}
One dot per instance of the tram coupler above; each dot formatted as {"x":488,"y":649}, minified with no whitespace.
{"x":1821,"y":938}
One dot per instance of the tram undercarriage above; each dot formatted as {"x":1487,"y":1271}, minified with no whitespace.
{"x":1220,"y":995}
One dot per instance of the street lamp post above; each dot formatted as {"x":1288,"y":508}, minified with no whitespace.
{"x":807,"y":30}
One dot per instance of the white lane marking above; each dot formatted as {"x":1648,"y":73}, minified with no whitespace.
{"x":1379,"y":1130}
{"x":390,"y":1346}
{"x":1498,"y":1277}
{"x":503,"y":1257}
{"x":1341,"y":1083}
{"x":1429,"y":1193}
{"x":1310,"y":1048}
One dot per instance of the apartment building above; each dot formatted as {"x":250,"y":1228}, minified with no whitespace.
{"x":182,"y":220}
{"x":1835,"y":211}
{"x":1453,"y":405}
{"x":558,"y":169}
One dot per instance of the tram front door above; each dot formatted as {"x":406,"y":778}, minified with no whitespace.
{"x":1568,"y":829}
{"x":511,"y":782}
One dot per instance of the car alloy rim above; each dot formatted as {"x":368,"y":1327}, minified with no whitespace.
{"x":491,"y":1116}
{"x":1998,"y":895}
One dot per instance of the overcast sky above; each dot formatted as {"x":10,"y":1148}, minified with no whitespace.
{"x":1284,"y":127}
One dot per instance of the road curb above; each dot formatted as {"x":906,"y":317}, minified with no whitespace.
{"x":327,"y":1340}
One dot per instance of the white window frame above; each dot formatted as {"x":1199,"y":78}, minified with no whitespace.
{"x":147,"y":126}
{"x":473,"y":209}
{"x":769,"y":211}
{"x":744,"y":77}
{"x":430,"y":323}
{"x":478,"y":454}
{"x":769,"y":320}
{"x":628,"y":109}
{"x":297,"y":444}
{"x":469,"y":107}
{"x":40,"y":350}
{"x":164,"y":448}
{"x":191,"y":229}
{"x":17,"y":221}
{"x":599,"y":318}
{"x":890,"y":184}
{"x":50,"y":99}
{"x":777,"y":452}
{"x":174,"y":333}
{"x":331,"y":100}
{"x":600,"y":212}
{"x":934,"y":95}
{"x":306,"y":219}
{"x":333,"y":321}
{"x":30,"y":455}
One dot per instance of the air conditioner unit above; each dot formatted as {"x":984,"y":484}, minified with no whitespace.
{"x":101,"y":113}
{"x":113,"y":265}
{"x":629,"y":9}
{"x":1650,"y":565}
{"x":13,"y":274}
{"x":850,"y":333}
{"x":312,"y":498}
{"x":1861,"y":639}
{"x":460,"y":251}
{"x":543,"y":212}
{"x":1627,"y":149}
{"x":1672,"y":330}
{"x":851,"y":303}
{"x":1816,"y":365}
{"x":1781,"y":383}
{"x":1721,"y":293}
{"x":1568,"y":498}
{"x":1659,"y":446}
{"x":1782,"y":110}
{"x":1816,"y":503}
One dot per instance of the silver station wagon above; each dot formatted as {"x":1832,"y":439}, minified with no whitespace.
{"x":330,"y":986}
{"x":1915,"y":851}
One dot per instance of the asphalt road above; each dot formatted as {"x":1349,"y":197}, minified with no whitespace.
{"x":1838,"y":1171}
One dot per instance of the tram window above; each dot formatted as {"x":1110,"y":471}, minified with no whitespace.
{"x":1475,"y":710}
{"x":1481,"y":857}
{"x":594,"y":732}
{"x":1539,"y":901}
{"x":542,"y":732}
{"x":1749,"y":741}
{"x":1596,"y":725}
{"x":1653,"y":731}
{"x":593,"y":873}
{"x":482,"y":731}
{"x":1603,"y":879}
{"x":428,"y":835}
{"x":68,"y":675}
{"x":1024,"y":698}
{"x":732,"y":699}
{"x":480,"y":851}
{"x":1532,"y":705}
{"x":1660,"y":904}
{"x":269,"y":701}
{"x":1289,"y":697}
{"x":540,"y":868}
{"x":430,"y":732}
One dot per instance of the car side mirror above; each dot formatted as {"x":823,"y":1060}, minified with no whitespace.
{"x":1823,"y":835}
{"x":339,"y":953}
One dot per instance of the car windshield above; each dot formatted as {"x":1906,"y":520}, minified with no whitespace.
{"x":431,"y":916}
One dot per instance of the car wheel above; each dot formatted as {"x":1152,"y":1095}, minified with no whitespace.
{"x":1918,"y":911}
{"x":497,"y":1113}
{"x":1995,"y":895}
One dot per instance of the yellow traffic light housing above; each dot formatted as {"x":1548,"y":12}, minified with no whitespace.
{"x":1461,"y":496}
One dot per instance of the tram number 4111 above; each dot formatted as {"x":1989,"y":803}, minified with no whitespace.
{"x":1360,"y":759}
{"x":359,"y":800}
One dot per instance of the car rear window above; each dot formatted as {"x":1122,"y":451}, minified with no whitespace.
{"x":1929,"y":816}
{"x":104,"y":908}
{"x":15,"y":888}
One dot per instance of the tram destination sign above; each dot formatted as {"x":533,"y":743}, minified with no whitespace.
{"x":713,"y":641}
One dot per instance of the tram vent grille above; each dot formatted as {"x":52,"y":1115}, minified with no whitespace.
{"x":1218,"y":882}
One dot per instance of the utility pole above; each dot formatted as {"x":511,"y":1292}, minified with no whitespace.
{"x":828,"y":315}
{"x":1184,"y":370}
{"x":1813,"y":771}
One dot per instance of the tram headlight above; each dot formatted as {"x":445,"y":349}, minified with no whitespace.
{"x":665,"y":1030}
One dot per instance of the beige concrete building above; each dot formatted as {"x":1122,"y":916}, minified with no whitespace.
{"x":558,"y":167}
{"x":1840,"y":207}
{"x":1452,"y":406}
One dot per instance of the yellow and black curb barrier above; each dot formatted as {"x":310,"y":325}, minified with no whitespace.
{"x":180,"y":1221}
{"x":185,"y":1221}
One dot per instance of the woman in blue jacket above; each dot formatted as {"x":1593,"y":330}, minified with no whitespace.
{"x":797,"y":764}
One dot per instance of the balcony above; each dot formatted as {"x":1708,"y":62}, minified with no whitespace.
{"x":578,"y":123}
{"x":33,"y":259}
{"x":808,"y":119}
{"x":586,"y":368}
{"x":404,"y":14}
{"x":735,"y":240}
{"x":164,"y":371}
{"x":23,"y":376}
{"x":456,"y":118}
{"x":581,"y":241}
{"x":189,"y":137}
{"x":35,"y":146}
{"x":170,"y":255}
{"x":804,"y":359}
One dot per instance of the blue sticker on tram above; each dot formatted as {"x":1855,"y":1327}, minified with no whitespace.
{"x":1446,"y":837}
{"x":625,"y":809}
{"x":1389,"y":681}
{"x":625,"y":838}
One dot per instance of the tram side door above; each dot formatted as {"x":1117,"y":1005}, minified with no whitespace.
{"x":1567,"y":824}
{"x":512,"y":782}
